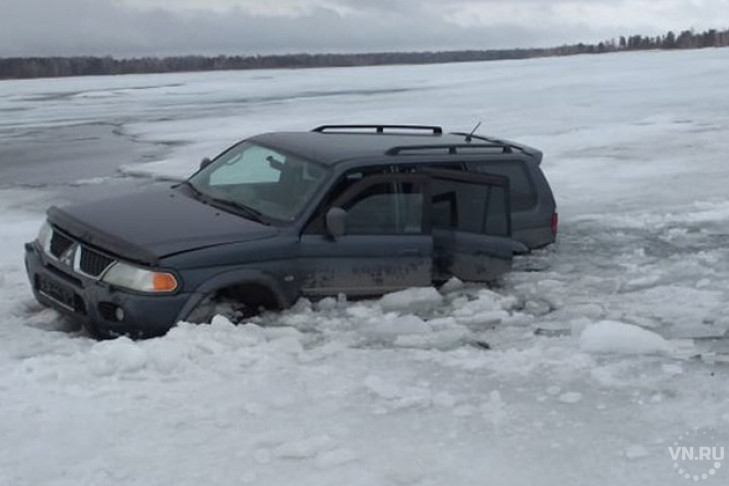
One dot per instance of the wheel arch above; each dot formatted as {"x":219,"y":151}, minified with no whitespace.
{"x":240,"y":280}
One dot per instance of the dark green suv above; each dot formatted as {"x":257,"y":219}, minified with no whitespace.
{"x":354,"y":209}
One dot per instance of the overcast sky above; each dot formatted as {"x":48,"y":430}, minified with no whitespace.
{"x":166,"y":27}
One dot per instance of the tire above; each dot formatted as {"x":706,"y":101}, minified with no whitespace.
{"x":233,"y":310}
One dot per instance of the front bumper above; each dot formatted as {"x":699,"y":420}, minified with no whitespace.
{"x":95,"y":304}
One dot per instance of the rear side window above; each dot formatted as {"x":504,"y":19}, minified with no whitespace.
{"x":523,"y":192}
{"x":497,"y":222}
{"x":469,"y":207}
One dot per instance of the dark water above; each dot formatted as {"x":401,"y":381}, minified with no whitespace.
{"x":73,"y":162}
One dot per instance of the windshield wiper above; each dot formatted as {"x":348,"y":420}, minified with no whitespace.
{"x":247,"y":211}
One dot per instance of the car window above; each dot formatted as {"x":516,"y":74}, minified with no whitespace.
{"x":275,"y":184}
{"x":386,"y":208}
{"x":256,"y":164}
{"x":470,"y":207}
{"x":497,"y":218}
{"x":346,"y":181}
{"x":523,"y":194}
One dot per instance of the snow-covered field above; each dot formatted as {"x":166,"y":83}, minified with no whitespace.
{"x":600,"y":357}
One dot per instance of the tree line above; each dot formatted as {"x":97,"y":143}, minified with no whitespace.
{"x":42,"y":67}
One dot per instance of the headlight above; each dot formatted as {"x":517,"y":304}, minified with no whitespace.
{"x":45,"y":233}
{"x":140,"y":279}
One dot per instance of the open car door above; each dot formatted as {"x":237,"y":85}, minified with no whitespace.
{"x":471,"y":225}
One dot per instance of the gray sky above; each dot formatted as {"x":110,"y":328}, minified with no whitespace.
{"x":166,"y":27}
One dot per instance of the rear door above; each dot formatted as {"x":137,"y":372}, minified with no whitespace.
{"x":387,"y":245}
{"x":471,"y":225}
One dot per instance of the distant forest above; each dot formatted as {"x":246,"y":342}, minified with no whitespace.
{"x":44,"y":67}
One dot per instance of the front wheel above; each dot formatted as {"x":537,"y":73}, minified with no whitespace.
{"x":233,"y":310}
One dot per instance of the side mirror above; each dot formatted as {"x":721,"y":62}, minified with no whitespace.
{"x":336,"y":220}
{"x":205,"y":162}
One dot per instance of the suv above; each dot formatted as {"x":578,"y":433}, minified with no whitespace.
{"x":354,"y":209}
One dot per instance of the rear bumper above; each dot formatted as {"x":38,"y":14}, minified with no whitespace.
{"x":95,"y":304}
{"x":536,"y":237}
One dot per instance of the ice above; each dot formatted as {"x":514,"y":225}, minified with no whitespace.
{"x":579,"y":367}
{"x":397,"y":396}
{"x":495,"y":411}
{"x":334,"y":458}
{"x":570,"y":397}
{"x":117,"y":356}
{"x":411,"y":299}
{"x":553,"y":390}
{"x":636,"y":451}
{"x":390,"y":325}
{"x":672,"y":369}
{"x":621,"y":338}
{"x":167,"y":170}
{"x":305,"y":448}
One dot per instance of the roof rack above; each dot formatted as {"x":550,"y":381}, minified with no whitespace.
{"x":451,"y":147}
{"x":379,"y":128}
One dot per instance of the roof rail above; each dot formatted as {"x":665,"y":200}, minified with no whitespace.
{"x":379,"y":128}
{"x":495,"y":141}
{"x":451,"y":147}
{"x":480,"y":137}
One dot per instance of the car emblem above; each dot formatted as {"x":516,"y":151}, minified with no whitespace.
{"x":67,"y":256}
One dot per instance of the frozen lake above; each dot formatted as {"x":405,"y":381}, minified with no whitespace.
{"x":603,"y":346}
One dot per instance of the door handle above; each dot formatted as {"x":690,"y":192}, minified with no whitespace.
{"x":411,"y":252}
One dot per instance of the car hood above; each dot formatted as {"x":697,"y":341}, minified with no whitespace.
{"x":148,"y":226}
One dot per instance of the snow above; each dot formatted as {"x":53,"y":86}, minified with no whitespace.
{"x":618,"y":337}
{"x":580,"y":367}
{"x":636,"y":451}
{"x":411,"y":298}
{"x":570,"y":397}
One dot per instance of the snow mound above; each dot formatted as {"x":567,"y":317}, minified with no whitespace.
{"x":121,"y":355}
{"x":419,"y":318}
{"x":412,"y":299}
{"x":410,"y":331}
{"x":621,"y":338}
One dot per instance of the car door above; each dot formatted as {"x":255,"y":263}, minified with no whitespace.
{"x":471,"y":225}
{"x":386,"y":246}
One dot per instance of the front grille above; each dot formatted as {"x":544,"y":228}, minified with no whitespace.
{"x":78,"y":257}
{"x":59,"y":244}
{"x":93,"y":263}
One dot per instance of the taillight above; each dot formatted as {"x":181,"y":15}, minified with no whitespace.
{"x":555,"y":223}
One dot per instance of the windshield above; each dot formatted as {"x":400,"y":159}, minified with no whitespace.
{"x":260,"y":180}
